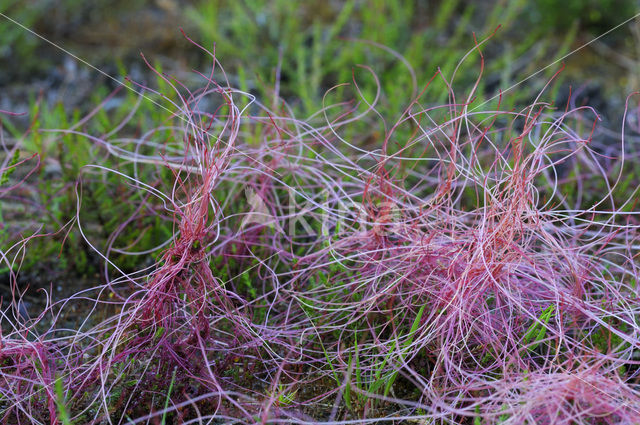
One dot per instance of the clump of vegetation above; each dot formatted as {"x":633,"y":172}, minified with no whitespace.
{"x":449,"y":267}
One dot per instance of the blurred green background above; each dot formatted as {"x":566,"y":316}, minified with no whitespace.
{"x":316,"y":43}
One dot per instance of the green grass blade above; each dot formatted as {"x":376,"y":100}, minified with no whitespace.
{"x":407,"y":343}
{"x":63,"y":414}
{"x":166,"y":402}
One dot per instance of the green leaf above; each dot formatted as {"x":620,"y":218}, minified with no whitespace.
{"x":538,"y":329}
{"x":11,"y":167}
{"x":63,"y":414}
